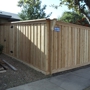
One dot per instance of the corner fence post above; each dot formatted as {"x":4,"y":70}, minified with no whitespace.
{"x":50,"y":28}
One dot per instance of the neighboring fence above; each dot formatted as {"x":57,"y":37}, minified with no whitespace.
{"x":38,"y":44}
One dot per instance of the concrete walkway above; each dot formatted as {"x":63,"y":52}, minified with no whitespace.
{"x":76,"y":80}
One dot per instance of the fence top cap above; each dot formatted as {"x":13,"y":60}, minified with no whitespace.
{"x":34,"y":20}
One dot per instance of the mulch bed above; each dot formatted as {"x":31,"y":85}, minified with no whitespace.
{"x":23,"y":75}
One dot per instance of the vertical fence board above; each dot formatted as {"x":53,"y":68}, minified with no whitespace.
{"x":69,"y":48}
{"x":78,"y":47}
{"x":66,"y":47}
{"x":63,"y":47}
{"x":60,"y":47}
{"x":88,"y":45}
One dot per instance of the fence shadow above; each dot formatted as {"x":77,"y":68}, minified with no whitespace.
{"x":26,"y":42}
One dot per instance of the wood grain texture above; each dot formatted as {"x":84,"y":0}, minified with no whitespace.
{"x":34,"y":43}
{"x":71,"y":46}
{"x":26,"y":42}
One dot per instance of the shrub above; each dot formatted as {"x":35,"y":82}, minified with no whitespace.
{"x":1,"y":48}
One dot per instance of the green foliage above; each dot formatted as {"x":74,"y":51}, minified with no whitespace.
{"x":31,"y":9}
{"x":79,"y":6}
{"x":73,"y":17}
{"x":1,"y":48}
{"x":70,"y":17}
{"x":75,"y":5}
{"x":69,"y":3}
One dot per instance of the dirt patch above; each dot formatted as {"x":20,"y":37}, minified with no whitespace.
{"x":23,"y":75}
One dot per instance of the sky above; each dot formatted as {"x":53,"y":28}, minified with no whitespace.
{"x":11,"y":6}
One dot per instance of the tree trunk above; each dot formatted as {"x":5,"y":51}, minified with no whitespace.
{"x":87,"y":17}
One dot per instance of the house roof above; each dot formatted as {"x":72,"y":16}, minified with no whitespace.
{"x":9,"y":16}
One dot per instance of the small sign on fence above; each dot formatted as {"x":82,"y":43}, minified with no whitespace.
{"x":57,"y":29}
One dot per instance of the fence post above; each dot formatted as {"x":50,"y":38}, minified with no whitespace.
{"x":50,"y":28}
{"x":48,"y":46}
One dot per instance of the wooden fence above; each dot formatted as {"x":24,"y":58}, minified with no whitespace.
{"x":27,"y":41}
{"x":38,"y":44}
{"x":70,"y":47}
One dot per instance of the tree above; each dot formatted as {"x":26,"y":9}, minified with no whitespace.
{"x":73,"y":17}
{"x":31,"y":9}
{"x":81,"y":6}
{"x":70,"y":17}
